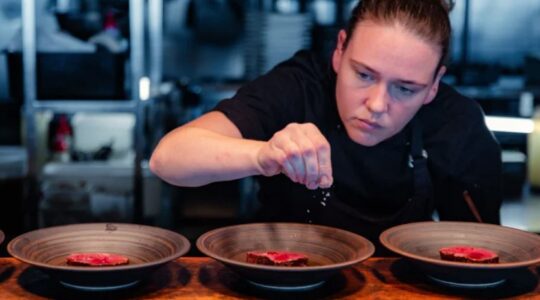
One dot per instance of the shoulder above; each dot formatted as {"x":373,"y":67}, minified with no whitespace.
{"x":290,"y":92}
{"x":450,"y":108}
{"x":455,"y":131}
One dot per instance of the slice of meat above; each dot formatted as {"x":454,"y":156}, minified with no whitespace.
{"x":468,"y":254}
{"x":95,"y":259}
{"x":277,"y":258}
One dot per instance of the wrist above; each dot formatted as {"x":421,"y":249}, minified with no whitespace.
{"x":256,"y":167}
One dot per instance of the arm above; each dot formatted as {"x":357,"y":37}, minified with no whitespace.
{"x":211,"y":148}
{"x":205,"y":150}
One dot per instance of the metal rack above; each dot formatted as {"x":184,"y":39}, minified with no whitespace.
{"x":135,"y":104}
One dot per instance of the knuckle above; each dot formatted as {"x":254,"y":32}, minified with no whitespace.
{"x":278,"y":136}
{"x":291,"y":155}
{"x":310,"y":126}
{"x":324,"y":147}
{"x":281,"y":159}
{"x":291,"y":150}
{"x":319,"y":146}
{"x":292,"y":125}
{"x":307,"y":151}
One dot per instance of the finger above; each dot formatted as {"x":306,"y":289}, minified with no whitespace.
{"x":279,"y":163}
{"x":294,"y":158}
{"x":288,"y":170}
{"x":310,"y":161}
{"x":324,"y":159}
{"x":288,"y":141}
{"x":326,"y":179}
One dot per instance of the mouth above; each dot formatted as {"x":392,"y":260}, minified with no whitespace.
{"x":365,"y":124}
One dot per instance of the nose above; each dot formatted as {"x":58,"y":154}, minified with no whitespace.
{"x":377,"y":100}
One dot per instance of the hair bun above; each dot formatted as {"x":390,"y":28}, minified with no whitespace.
{"x":448,"y":4}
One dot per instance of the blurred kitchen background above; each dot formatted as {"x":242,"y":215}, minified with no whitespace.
{"x":87,"y":88}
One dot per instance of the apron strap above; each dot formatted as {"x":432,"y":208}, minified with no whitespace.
{"x":423,"y":187}
{"x":420,"y":206}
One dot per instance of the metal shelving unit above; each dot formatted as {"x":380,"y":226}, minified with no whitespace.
{"x":135,"y":104}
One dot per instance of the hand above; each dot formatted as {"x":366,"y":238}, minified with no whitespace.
{"x":299,"y":151}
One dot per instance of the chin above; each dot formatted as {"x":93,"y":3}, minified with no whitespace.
{"x":364,"y":139}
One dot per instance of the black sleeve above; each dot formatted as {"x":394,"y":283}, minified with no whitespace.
{"x":267,"y":104}
{"x":475,"y":164}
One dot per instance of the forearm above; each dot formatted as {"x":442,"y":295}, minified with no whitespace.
{"x":191,"y":156}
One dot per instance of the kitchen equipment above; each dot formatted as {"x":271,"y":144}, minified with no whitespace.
{"x":72,"y":75}
{"x":146,"y":247}
{"x":329,"y":250}
{"x":420,"y":243}
{"x":108,"y":186}
{"x":265,"y":33}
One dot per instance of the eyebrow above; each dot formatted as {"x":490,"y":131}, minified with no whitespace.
{"x":411,"y":82}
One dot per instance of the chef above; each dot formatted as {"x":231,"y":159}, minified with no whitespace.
{"x":367,"y":140}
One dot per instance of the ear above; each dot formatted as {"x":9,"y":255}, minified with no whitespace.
{"x":338,"y":52}
{"x":435,"y":87}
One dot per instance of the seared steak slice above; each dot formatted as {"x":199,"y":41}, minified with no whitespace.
{"x":277,"y":258}
{"x":468,"y":254}
{"x":96,"y":259}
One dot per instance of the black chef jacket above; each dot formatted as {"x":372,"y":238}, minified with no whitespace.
{"x":374,"y":187}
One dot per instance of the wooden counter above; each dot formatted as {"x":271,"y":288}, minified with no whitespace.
{"x":204,"y":278}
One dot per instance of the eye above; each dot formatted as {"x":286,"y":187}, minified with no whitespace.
{"x":404,"y":91}
{"x":365,"y":76}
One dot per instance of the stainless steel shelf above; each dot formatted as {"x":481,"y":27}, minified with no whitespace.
{"x":74,"y":106}
{"x":138,"y":21}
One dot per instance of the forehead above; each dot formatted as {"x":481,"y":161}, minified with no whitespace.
{"x":392,"y":50}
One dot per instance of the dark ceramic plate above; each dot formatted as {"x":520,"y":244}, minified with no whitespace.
{"x":328,"y":250}
{"x":146,"y":247}
{"x":420,"y":242}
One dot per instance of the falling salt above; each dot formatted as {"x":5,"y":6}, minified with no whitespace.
{"x":327,"y":194}
{"x":308,"y":211}
{"x":323,"y":203}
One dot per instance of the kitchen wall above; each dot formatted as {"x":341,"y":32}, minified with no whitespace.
{"x":502,"y":31}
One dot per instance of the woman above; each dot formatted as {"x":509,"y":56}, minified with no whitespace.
{"x":372,"y":140}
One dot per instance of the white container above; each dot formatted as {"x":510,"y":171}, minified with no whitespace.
{"x":92,"y":131}
{"x":109,"y":184}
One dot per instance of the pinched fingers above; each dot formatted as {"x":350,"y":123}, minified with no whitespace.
{"x":302,"y":153}
{"x":274,"y":158}
{"x":326,"y":178}
{"x":309,"y":155}
{"x":323,"y":178}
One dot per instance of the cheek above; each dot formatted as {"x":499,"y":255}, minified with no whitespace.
{"x":348,"y":95}
{"x":342,"y":98}
{"x":346,"y":104}
{"x":401,"y":115}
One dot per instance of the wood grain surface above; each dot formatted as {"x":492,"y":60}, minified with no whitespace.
{"x":205,"y":278}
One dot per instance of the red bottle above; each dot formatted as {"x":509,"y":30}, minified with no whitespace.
{"x":62,"y":140}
